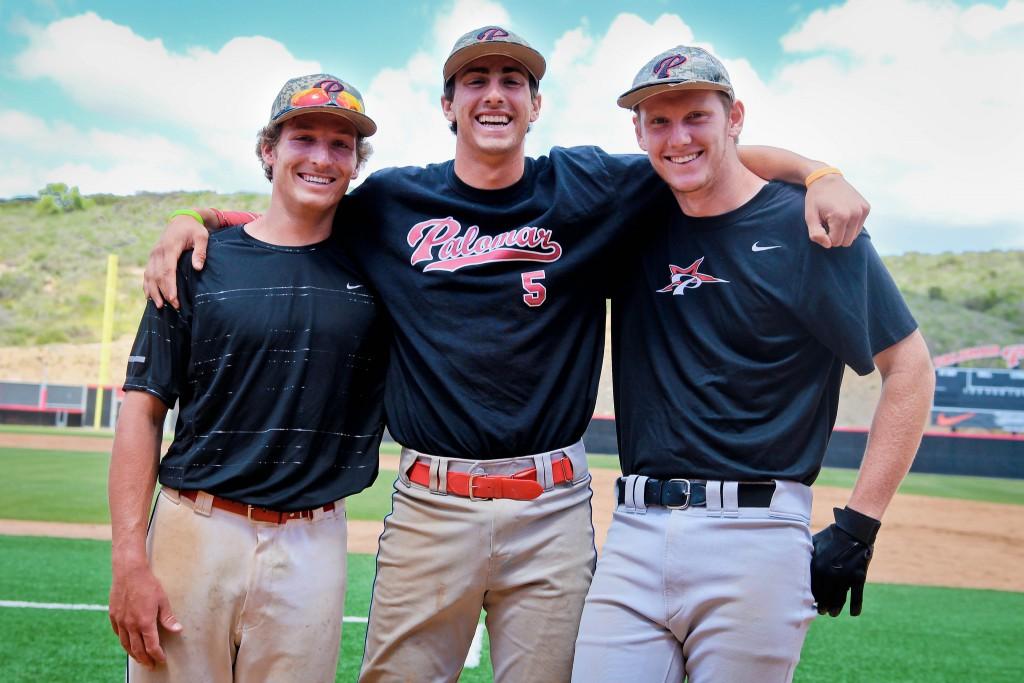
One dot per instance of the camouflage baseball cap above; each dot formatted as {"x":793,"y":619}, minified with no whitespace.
{"x":493,"y":40}
{"x":681,"y":68}
{"x":322,"y":93}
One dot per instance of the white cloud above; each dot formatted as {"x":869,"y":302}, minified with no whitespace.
{"x":587,"y":73}
{"x":218,"y":99}
{"x":983,"y":21}
{"x":37,"y":152}
{"x":917,"y":101}
{"x":406,"y":102}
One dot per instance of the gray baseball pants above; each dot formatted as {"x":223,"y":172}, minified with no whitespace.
{"x":715,"y":593}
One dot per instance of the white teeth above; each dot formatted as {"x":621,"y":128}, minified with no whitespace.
{"x":318,"y":179}
{"x":683,"y":160}
{"x":493,"y":119}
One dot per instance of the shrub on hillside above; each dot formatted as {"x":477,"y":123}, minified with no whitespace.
{"x":59,"y":198}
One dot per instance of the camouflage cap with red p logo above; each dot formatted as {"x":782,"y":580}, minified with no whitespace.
{"x":681,"y":68}
{"x":493,"y":40}
{"x":322,"y":93}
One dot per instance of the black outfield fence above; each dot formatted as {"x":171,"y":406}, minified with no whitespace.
{"x":980,"y":455}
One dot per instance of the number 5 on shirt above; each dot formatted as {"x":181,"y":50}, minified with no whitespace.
{"x":536,"y":293}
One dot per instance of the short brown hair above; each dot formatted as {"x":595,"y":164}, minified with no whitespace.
{"x":270,"y":135}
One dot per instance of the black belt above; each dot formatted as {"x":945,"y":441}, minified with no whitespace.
{"x":680,"y":494}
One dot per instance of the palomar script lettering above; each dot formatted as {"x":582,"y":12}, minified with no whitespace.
{"x":442,"y":244}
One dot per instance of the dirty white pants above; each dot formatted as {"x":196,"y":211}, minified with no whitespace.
{"x":258,"y":601}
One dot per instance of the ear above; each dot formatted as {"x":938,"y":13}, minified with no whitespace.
{"x":736,"y":117}
{"x":446,"y":107}
{"x":639,"y":132}
{"x":535,"y":108}
{"x":267,"y":152}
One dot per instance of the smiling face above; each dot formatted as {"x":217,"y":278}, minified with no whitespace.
{"x":313,"y":161}
{"x":689,"y":136}
{"x":492,"y":107}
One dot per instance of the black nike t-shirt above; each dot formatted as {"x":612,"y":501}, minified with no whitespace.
{"x":730,"y":335}
{"x":278,"y":357}
{"x":498,"y":296}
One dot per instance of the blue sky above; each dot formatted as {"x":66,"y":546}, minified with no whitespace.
{"x":917,"y":100}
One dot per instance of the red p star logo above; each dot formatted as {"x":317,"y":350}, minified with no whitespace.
{"x":664,"y":66}
{"x":492,"y":33}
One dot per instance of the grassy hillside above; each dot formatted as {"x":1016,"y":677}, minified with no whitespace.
{"x":52,"y":270}
{"x":964,"y":299}
{"x":53,"y":267}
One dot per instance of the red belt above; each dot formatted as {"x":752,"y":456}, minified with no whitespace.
{"x":522,"y":485}
{"x":254,"y":512}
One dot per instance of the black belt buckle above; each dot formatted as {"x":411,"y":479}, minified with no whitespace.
{"x":686,"y":494}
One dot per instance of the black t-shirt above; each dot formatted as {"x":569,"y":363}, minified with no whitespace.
{"x":730,"y":335}
{"x":498,"y":296}
{"x":278,"y":357}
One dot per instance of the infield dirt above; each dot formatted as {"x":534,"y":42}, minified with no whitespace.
{"x":924,"y":540}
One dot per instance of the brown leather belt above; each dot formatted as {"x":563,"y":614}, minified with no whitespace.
{"x":256,"y":513}
{"x":522,"y":485}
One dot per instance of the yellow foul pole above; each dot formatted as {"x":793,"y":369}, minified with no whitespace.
{"x":108,"y":332}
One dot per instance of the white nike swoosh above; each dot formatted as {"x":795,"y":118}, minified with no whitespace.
{"x":349,"y":285}
{"x":757,"y":247}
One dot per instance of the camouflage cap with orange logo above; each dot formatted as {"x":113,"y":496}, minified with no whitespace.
{"x":322,"y":93}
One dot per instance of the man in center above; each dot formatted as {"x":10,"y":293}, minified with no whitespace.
{"x":492,"y":267}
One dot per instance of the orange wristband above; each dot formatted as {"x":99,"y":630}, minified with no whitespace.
{"x":821,"y":173}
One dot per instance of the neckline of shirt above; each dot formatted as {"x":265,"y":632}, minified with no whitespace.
{"x":502,"y":195}
{"x":730,"y":217}
{"x":302,"y":249}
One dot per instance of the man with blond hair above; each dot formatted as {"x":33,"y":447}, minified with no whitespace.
{"x":730,"y":333}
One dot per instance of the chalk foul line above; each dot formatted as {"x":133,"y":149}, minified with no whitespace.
{"x":472,"y":657}
{"x":73,"y":606}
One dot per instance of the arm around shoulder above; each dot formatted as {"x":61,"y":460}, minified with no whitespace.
{"x":833,"y":209}
{"x":183,"y":232}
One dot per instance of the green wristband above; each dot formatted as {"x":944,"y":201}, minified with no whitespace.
{"x":187,"y":212}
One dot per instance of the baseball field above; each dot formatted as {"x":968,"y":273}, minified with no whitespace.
{"x":945,"y":600}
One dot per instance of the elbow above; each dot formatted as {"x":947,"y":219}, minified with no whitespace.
{"x":909,"y":364}
{"x":925,"y":369}
{"x":923,"y":373}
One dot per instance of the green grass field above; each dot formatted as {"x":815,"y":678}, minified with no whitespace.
{"x":908,"y":634}
{"x":57,"y":431}
{"x":78,"y":645}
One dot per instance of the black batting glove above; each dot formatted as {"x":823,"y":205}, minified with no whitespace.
{"x":842,"y":552}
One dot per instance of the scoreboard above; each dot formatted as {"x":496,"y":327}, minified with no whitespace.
{"x":979,"y":397}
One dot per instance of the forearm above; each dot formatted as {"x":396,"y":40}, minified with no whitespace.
{"x":133,"y":470}
{"x":896,"y":430}
{"x":215,"y":219}
{"x":774,"y":163}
